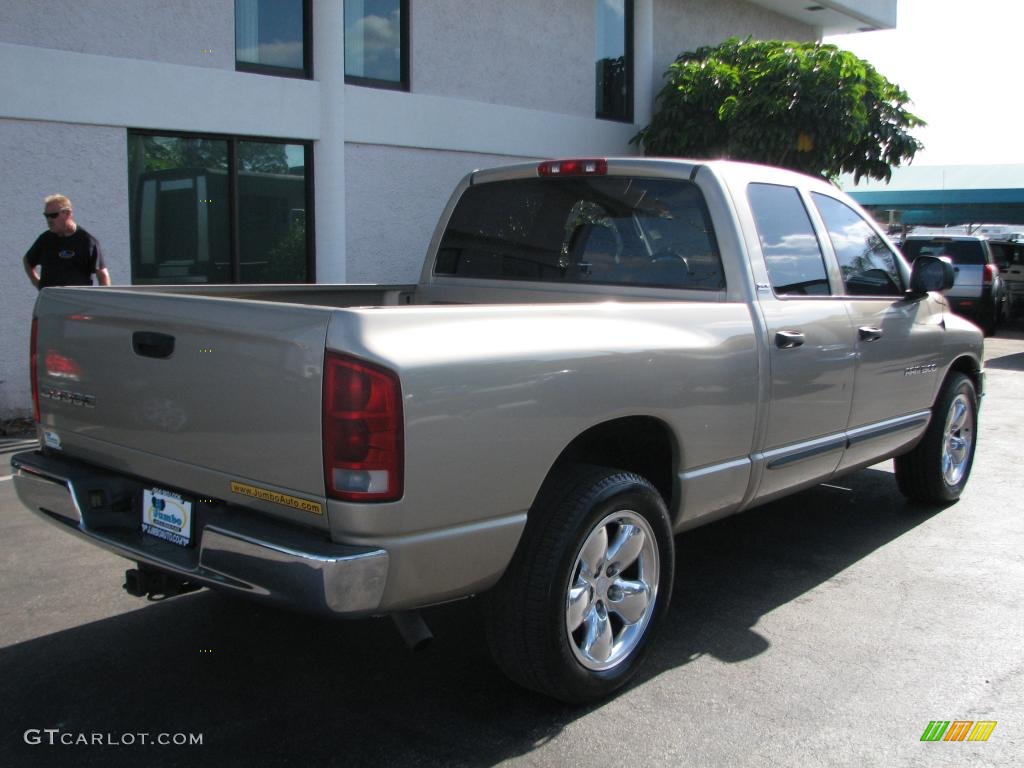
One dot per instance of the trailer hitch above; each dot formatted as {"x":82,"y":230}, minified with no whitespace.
{"x":155,"y":584}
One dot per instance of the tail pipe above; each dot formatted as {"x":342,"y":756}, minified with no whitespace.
{"x":413,"y":629}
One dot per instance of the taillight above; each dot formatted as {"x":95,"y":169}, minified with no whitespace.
{"x":591,"y":167}
{"x":61,"y":366}
{"x":33,"y":370}
{"x":991,"y":270}
{"x":362,"y":430}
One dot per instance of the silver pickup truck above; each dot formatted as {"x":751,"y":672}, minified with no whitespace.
{"x":599,"y":354}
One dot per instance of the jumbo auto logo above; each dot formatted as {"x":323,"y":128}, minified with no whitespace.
{"x":167,"y":518}
{"x":958,"y":730}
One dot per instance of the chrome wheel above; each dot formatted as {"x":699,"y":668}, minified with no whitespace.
{"x":958,"y":437}
{"x":575,"y":612}
{"x":612,"y":590}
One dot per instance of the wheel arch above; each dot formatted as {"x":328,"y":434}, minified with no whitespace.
{"x":970,"y":368}
{"x":642,"y":444}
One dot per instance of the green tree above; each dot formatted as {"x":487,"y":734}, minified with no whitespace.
{"x":806,"y":106}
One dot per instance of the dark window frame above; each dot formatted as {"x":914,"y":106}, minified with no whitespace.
{"x":233,"y":218}
{"x":305,"y":73}
{"x":403,"y":83}
{"x":629,"y":74}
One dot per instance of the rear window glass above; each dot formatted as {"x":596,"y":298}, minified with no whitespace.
{"x":960,"y":251}
{"x":601,"y":230}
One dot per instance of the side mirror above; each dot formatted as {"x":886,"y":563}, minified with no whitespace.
{"x":931,"y":273}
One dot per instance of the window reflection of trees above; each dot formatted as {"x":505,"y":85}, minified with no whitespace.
{"x":867,"y":264}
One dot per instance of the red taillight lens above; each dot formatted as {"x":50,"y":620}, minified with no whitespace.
{"x":363,"y":440}
{"x":34,"y":372}
{"x":591,"y":167}
{"x":61,"y":366}
{"x":991,"y":270}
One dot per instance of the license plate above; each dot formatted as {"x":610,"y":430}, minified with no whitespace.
{"x":167,"y":516}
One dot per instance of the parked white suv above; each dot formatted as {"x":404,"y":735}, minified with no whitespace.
{"x":979,"y":292}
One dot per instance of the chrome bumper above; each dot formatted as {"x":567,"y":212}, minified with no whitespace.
{"x":235,"y":549}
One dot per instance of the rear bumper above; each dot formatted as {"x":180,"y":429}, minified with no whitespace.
{"x":971,"y":306}
{"x":235,"y":549}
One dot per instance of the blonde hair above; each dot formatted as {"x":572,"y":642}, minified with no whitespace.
{"x":62,"y":199}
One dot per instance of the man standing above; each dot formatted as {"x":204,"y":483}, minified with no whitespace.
{"x":65,"y":254}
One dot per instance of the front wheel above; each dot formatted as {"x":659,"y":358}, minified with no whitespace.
{"x":591,"y":580}
{"x":936,"y":471}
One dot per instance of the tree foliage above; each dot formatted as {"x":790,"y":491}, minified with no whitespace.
{"x":165,"y":152}
{"x":806,"y":106}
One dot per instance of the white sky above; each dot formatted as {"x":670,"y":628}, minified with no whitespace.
{"x":962,"y":64}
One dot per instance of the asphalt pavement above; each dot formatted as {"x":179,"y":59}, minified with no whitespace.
{"x":828,"y":629}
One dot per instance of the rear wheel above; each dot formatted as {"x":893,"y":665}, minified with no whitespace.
{"x":937,"y":470}
{"x":575,"y":612}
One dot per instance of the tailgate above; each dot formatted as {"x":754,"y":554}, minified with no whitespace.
{"x":969,"y":279}
{"x":211,"y":396}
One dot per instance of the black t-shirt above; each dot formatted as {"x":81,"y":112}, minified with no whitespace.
{"x":70,"y":260}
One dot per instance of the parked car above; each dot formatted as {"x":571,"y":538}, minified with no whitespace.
{"x":1010,"y":258}
{"x":979,"y":292}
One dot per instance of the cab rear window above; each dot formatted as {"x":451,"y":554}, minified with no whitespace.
{"x":609,"y":230}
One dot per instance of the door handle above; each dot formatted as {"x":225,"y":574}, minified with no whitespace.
{"x":869,"y":333}
{"x":789,"y":339}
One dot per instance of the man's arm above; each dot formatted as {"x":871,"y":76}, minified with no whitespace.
{"x":103,"y":276}
{"x":31,"y":272}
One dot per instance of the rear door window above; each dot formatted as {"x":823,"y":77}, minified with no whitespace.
{"x":791,"y":250}
{"x":604,"y":230}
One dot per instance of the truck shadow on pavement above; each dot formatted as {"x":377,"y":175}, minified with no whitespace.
{"x":268,"y":687}
{"x":1014,"y":362}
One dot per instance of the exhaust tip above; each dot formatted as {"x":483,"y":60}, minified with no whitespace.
{"x":413,"y":629}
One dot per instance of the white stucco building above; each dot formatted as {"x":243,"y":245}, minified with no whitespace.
{"x":226,"y":140}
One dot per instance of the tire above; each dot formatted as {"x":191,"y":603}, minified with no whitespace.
{"x":569,"y":618}
{"x":990,"y":324}
{"x":937,"y":470}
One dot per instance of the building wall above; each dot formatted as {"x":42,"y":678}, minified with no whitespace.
{"x":498,"y":52}
{"x":491,"y":82}
{"x":199,"y":33}
{"x":86,"y":163}
{"x":685,"y":25}
{"x":395,"y":196}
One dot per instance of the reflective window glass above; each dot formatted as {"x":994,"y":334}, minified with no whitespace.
{"x":270,"y":34}
{"x":614,"y":54}
{"x":790,"y":247}
{"x":600,"y":230}
{"x":272,"y":212}
{"x":867,"y":263}
{"x":377,"y":43}
{"x":180,"y":209}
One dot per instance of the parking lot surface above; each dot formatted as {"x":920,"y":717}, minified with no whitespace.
{"x":830,"y":628}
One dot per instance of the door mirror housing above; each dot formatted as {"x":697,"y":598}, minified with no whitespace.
{"x":931,"y":273}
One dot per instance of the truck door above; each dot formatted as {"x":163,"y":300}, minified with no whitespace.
{"x":810,"y":347}
{"x":898,"y":340}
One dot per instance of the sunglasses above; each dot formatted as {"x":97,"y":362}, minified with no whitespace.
{"x":55,"y":214}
